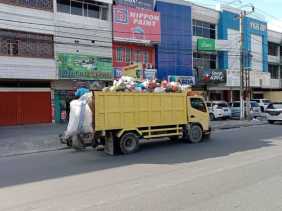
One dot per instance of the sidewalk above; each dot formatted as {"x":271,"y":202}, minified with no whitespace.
{"x":230,"y":124}
{"x":15,"y":140}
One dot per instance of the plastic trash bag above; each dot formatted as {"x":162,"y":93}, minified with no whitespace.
{"x":80,"y":120}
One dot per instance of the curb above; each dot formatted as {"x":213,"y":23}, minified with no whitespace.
{"x":33,"y":152}
{"x":237,"y":126}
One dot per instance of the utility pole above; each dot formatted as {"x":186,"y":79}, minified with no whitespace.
{"x":243,"y":14}
{"x":242,"y":104}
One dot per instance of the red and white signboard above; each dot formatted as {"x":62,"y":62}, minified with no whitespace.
{"x":136,"y":25}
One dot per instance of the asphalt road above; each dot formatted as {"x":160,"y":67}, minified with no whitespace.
{"x":238,"y":169}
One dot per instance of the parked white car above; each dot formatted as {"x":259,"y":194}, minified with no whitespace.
{"x":255,"y":109}
{"x":274,"y":112}
{"x":263,"y":103}
{"x":219,"y":110}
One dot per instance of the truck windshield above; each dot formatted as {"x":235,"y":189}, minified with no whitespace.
{"x":198,"y":104}
{"x":221,"y":105}
{"x":275,"y":106}
{"x":266,"y":101}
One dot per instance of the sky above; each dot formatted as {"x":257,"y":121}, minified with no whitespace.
{"x":269,"y":10}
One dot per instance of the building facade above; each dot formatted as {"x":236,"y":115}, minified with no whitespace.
{"x":136,"y":33}
{"x":47,"y":48}
{"x":27,"y":61}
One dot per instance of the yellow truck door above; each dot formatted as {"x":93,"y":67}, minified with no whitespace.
{"x":198,"y":112}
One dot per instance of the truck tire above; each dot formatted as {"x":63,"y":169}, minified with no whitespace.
{"x":195,"y":134}
{"x":129,"y":143}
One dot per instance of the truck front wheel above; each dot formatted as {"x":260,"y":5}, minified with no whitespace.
{"x":129,"y":143}
{"x":195,"y":134}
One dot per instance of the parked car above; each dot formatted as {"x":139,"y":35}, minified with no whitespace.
{"x":219,"y":110}
{"x":255,"y":109}
{"x":274,"y":112}
{"x":263,"y":103}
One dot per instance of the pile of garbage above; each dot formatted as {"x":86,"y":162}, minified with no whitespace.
{"x":129,"y":84}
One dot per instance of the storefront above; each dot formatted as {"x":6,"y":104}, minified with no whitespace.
{"x":76,"y":70}
{"x":25,"y":102}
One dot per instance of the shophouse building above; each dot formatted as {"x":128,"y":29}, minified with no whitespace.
{"x":136,"y":33}
{"x":48,"y":47}
{"x":27,"y":61}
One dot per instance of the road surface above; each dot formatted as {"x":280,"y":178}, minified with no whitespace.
{"x":238,"y":169}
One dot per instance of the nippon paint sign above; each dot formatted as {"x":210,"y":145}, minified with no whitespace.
{"x":136,"y":25}
{"x":146,"y":4}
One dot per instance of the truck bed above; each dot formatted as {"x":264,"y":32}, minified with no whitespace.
{"x":121,"y":110}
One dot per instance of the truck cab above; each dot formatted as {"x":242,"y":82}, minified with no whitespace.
{"x":198,"y":116}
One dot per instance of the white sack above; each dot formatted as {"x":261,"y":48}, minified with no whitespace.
{"x":80,"y":120}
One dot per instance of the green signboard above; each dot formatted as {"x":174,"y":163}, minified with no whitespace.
{"x":85,"y":67}
{"x":206,"y":45}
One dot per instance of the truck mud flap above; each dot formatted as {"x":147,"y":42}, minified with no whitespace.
{"x":111,"y":144}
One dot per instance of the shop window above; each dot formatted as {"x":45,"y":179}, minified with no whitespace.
{"x":93,"y":11}
{"x":24,"y":44}
{"x":274,"y":71}
{"x":272,"y":49}
{"x":128,"y":55}
{"x":35,"y":4}
{"x":63,"y":6}
{"x":139,"y":55}
{"x":105,"y":12}
{"x":76,"y":8}
{"x":146,"y":57}
{"x":13,"y":47}
{"x":204,"y":29}
{"x":85,"y":8}
{"x":204,"y":61}
{"x":119,"y":54}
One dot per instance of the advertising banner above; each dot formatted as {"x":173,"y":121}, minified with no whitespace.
{"x":136,"y":25}
{"x":184,"y":80}
{"x":134,"y":70}
{"x":86,"y":67}
{"x":206,"y":45}
{"x":211,"y":76}
{"x":146,"y":4}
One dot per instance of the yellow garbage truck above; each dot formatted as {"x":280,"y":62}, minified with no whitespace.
{"x":121,"y":120}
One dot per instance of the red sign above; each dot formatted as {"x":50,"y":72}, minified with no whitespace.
{"x":136,"y":25}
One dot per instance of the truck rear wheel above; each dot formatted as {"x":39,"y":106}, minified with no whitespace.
{"x":129,"y":143}
{"x":195,"y":134}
